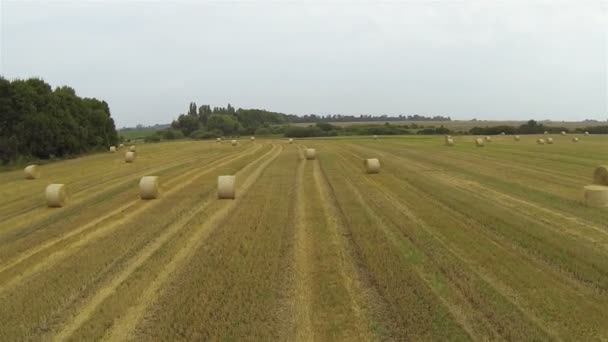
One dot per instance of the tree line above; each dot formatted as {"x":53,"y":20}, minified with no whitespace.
{"x":37,"y":121}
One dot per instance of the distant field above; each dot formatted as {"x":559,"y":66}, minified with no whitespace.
{"x":444,"y":244}
{"x":466,"y":125}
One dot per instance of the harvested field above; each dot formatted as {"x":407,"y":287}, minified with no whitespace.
{"x":444,"y":243}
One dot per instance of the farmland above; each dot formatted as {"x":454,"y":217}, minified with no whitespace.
{"x":445,"y":243}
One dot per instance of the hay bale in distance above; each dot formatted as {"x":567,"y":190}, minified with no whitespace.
{"x":563,"y":133}
{"x":575,"y":139}
{"x":549,"y":141}
{"x":540,"y":141}
{"x":586,"y":133}
{"x":600,"y":175}
{"x":219,"y":140}
{"x":375,"y":137}
{"x":234,"y":142}
{"x":56,"y":195}
{"x":252,"y":138}
{"x":546,"y":132}
{"x":488,"y":139}
{"x":225,"y":187}
{"x":502,"y":133}
{"x":290,"y":141}
{"x":129,"y":157}
{"x":372,"y":165}
{"x":449,"y":142}
{"x":132,"y":148}
{"x":121,"y":145}
{"x":311,"y":153}
{"x":32,"y":172}
{"x":112,"y":149}
{"x":517,"y":138}
{"x":479,"y":142}
{"x":148,"y":187}
{"x":596,"y":196}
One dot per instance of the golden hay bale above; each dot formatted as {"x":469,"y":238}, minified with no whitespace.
{"x":563,"y":133}
{"x":449,"y":142}
{"x":372,"y":165}
{"x":129,"y":157}
{"x":56,"y":195}
{"x":488,"y":139}
{"x":575,"y":139}
{"x":502,"y":133}
{"x":596,"y":196}
{"x":121,"y":145}
{"x":546,"y":132}
{"x":311,"y":153}
{"x":291,"y":141}
{"x":148,"y":187}
{"x":586,"y":133}
{"x":218,"y":139}
{"x":479,"y":142}
{"x":540,"y":141}
{"x":252,"y":138}
{"x":549,"y":140}
{"x":132,"y":148}
{"x":112,"y":149}
{"x":225,"y":187}
{"x":32,"y":172}
{"x":376,"y":137}
{"x":600,"y":175}
{"x":517,"y":138}
{"x":234,"y":142}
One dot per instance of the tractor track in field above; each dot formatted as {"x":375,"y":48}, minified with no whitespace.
{"x":112,"y":180}
{"x":346,"y":268}
{"x":503,"y":289}
{"x":125,"y":328}
{"x":57,"y":256}
{"x":46,"y":213}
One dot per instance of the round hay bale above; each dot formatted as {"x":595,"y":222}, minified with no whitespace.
{"x":32,"y":172}
{"x":502,"y":133}
{"x":449,"y":142}
{"x":372,"y":165}
{"x":311,"y":153}
{"x":549,"y":141}
{"x":488,"y":139}
{"x":291,"y":141}
{"x":546,"y":132}
{"x":596,"y":196}
{"x":479,"y":142}
{"x":56,"y":195}
{"x":563,"y":133}
{"x":234,"y":142}
{"x":586,"y":133}
{"x":132,"y":148}
{"x":225,"y":187}
{"x":375,"y":137}
{"x":129,"y":157}
{"x":121,"y":145}
{"x":219,"y":140}
{"x":252,"y":138}
{"x":575,"y":139}
{"x":600,"y":175}
{"x":446,"y":138}
{"x":517,"y":138}
{"x":148,"y":187}
{"x":112,"y":149}
{"x":540,"y":141}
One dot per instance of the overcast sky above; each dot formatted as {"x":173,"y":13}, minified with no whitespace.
{"x":466,"y":59}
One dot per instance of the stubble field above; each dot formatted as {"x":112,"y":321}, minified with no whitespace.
{"x":445,"y":243}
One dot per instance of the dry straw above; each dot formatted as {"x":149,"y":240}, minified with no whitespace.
{"x":32,"y":172}
{"x":129,"y":157}
{"x":479,"y":142}
{"x":540,"y":141}
{"x":148,"y":187}
{"x":218,"y":139}
{"x":575,"y":139}
{"x":252,"y":138}
{"x":549,"y":141}
{"x":225,"y":187}
{"x":233,"y":142}
{"x":449,"y":142}
{"x":586,"y":133}
{"x":600,"y":175}
{"x":132,"y":148}
{"x":372,"y":165}
{"x":596,"y":196}
{"x":563,"y":133}
{"x":488,"y":139}
{"x":56,"y":195}
{"x":311,"y":153}
{"x":291,"y":141}
{"x":517,"y":138}
{"x":112,"y":149}
{"x":121,"y":145}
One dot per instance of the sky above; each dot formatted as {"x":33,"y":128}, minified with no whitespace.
{"x":493,"y":60}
